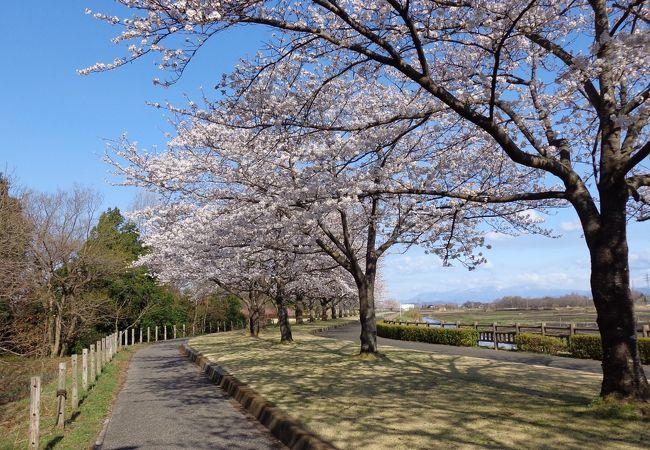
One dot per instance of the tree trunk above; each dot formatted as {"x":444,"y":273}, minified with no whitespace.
{"x":333,"y":312}
{"x":323,"y":310}
{"x":56,"y":341}
{"x":283,"y":321}
{"x":254,"y":322}
{"x":300,"y":307}
{"x":623,"y":374}
{"x":341,"y":311}
{"x":367,"y":315}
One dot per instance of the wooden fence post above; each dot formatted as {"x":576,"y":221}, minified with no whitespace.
{"x":210,"y":327}
{"x":98,"y":357}
{"x":183,"y":330}
{"x":104,"y":359}
{"x":132,"y":336}
{"x":61,"y":394}
{"x":141,"y":335}
{"x":148,"y":335}
{"x":231,"y":326}
{"x":517,"y":328}
{"x":646,"y":330}
{"x":476,"y":325}
{"x":84,"y":369}
{"x":572,"y":329}
{"x":193,"y":329}
{"x":458,"y":324}
{"x":543,"y":328}
{"x":92,"y":363}
{"x":75,"y":388}
{"x":156,"y":333}
{"x":174,"y":331}
{"x":164,"y":332}
{"x":34,"y":412}
{"x":494,"y":334}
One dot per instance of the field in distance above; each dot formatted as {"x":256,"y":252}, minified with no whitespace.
{"x":503,"y":317}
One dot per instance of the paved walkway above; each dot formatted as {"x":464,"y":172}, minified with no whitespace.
{"x":352,"y":332}
{"x":167,"y":403}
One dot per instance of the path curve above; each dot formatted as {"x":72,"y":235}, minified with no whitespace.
{"x":167,"y":403}
{"x":352,"y":332}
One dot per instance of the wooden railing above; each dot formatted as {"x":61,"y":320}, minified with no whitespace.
{"x":505,"y":333}
{"x":95,"y":358}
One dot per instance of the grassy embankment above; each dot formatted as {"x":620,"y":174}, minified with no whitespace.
{"x":82,"y":425}
{"x":555,"y":316}
{"x":412,"y":399}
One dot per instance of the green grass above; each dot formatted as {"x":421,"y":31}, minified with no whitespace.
{"x":82,"y":425}
{"x":412,"y":400}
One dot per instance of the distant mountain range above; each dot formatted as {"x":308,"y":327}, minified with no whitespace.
{"x":485,"y":296}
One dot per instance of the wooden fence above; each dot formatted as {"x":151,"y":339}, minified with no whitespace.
{"x":94,"y":360}
{"x":505,"y":334}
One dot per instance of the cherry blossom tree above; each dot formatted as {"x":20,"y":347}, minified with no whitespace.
{"x":556,"y":86}
{"x":333,"y":188}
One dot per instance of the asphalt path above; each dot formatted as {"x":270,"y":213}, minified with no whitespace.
{"x":166,"y":402}
{"x":352,"y":332}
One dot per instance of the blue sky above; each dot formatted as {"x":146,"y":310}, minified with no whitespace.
{"x":55,"y":124}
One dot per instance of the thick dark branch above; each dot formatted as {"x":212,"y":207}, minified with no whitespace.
{"x":638,"y":181}
{"x":340,"y":259}
{"x":417,"y":42}
{"x":637,"y":101}
{"x":628,"y":10}
{"x":636,"y":159}
{"x":359,"y":27}
{"x":519,"y":121}
{"x":566,"y":57}
{"x":478,"y":198}
{"x":497,"y":56}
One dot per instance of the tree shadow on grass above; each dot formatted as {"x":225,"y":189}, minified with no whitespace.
{"x":53,"y":442}
{"x":419,"y":400}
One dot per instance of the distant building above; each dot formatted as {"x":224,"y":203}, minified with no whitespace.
{"x":407,"y":306}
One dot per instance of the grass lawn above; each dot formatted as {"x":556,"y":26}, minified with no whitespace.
{"x":82,"y":426}
{"x":410,"y":399}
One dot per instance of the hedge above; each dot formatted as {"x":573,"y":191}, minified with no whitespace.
{"x":460,"y":337}
{"x":536,"y":343}
{"x":587,"y":346}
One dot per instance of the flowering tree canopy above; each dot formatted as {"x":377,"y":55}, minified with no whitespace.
{"x":553,"y":87}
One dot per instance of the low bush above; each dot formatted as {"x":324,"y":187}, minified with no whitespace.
{"x":460,"y":337}
{"x":588,"y":346}
{"x":536,"y":343}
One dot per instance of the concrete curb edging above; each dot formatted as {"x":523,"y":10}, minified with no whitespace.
{"x":291,"y":432}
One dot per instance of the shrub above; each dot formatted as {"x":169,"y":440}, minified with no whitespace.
{"x":460,"y":337}
{"x":536,"y":343}
{"x":588,"y":346}
{"x":585,"y":346}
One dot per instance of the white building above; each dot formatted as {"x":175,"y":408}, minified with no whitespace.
{"x":407,"y":306}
